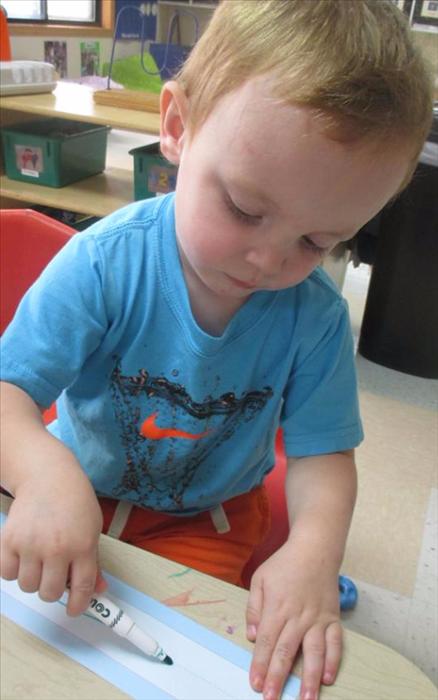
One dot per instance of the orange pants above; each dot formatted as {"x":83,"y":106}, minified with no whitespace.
{"x":194,"y":541}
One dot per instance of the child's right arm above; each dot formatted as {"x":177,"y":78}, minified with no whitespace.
{"x":53,"y":527}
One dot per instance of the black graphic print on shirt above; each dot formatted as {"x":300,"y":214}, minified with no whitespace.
{"x":166,"y":435}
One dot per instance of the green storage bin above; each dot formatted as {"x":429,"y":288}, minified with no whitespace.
{"x":54,"y":152}
{"x":153,"y":174}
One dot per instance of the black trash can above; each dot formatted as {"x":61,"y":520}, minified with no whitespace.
{"x":400,"y":324}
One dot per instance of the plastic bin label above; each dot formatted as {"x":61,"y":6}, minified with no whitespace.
{"x":29,"y":160}
{"x":30,"y":173}
{"x":161,"y":179}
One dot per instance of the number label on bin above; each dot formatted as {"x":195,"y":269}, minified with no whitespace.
{"x":161,"y":179}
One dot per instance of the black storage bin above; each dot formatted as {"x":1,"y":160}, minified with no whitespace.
{"x":400,"y":324}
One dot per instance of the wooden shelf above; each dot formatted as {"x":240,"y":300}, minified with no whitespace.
{"x":98,"y":195}
{"x":73,"y":101}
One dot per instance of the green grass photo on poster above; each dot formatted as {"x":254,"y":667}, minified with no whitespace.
{"x":129,"y":73}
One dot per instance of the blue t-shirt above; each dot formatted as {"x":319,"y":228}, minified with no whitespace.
{"x":157,"y":411}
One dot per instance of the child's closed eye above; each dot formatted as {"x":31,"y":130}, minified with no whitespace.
{"x":313,"y":247}
{"x":238,"y":213}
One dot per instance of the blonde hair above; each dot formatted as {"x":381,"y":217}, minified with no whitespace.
{"x":352,"y":61}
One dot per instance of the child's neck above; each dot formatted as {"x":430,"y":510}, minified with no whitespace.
{"x":213,"y":313}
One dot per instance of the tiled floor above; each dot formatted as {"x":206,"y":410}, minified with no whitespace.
{"x":392,"y":549}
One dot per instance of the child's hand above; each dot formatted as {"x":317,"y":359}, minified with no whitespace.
{"x":294,"y":601}
{"x":51,"y":535}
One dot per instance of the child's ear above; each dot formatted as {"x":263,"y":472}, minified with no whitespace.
{"x":173,"y":116}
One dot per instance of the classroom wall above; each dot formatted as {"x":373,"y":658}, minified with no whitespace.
{"x":32,"y":48}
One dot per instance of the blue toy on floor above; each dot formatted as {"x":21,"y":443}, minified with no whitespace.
{"x":347,"y":593}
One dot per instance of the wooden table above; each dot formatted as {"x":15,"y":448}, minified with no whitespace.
{"x":32,"y":669}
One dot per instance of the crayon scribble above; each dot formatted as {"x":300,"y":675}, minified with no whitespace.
{"x":229,"y":627}
{"x":180,"y":599}
{"x":183,"y":599}
{"x":180,"y":573}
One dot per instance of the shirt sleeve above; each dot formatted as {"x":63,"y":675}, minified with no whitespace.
{"x":58,"y":324}
{"x":320,"y":413}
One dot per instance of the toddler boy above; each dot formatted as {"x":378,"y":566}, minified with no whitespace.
{"x":179,"y":333}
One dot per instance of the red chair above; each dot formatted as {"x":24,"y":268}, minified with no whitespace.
{"x":28,"y":241}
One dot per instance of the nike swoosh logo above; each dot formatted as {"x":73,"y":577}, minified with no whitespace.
{"x":152,"y":431}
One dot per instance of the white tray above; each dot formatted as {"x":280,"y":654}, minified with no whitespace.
{"x":24,"y":77}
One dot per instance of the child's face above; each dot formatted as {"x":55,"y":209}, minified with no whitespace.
{"x":262,"y":194}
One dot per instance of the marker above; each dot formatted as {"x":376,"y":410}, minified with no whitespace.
{"x":112,"y":616}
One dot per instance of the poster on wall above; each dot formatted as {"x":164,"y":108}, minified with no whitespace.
{"x":420,"y":12}
{"x":426,"y":12}
{"x":129,"y":25}
{"x":90,"y":57}
{"x":55,"y":52}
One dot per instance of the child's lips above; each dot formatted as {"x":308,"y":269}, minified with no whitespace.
{"x":241,"y":283}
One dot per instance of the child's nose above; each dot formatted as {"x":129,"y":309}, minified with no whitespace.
{"x":267,"y":260}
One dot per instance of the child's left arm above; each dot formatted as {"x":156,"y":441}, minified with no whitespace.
{"x":294,"y":596}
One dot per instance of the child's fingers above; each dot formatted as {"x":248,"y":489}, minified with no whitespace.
{"x":29,"y":574}
{"x":333,"y":655}
{"x":82,"y":585}
{"x":9,"y":563}
{"x":53,"y":579}
{"x":314,"y":653}
{"x":101,"y":584}
{"x":253,"y":611}
{"x":274,"y":663}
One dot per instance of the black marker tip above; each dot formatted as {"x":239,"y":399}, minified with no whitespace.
{"x":167,"y":660}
